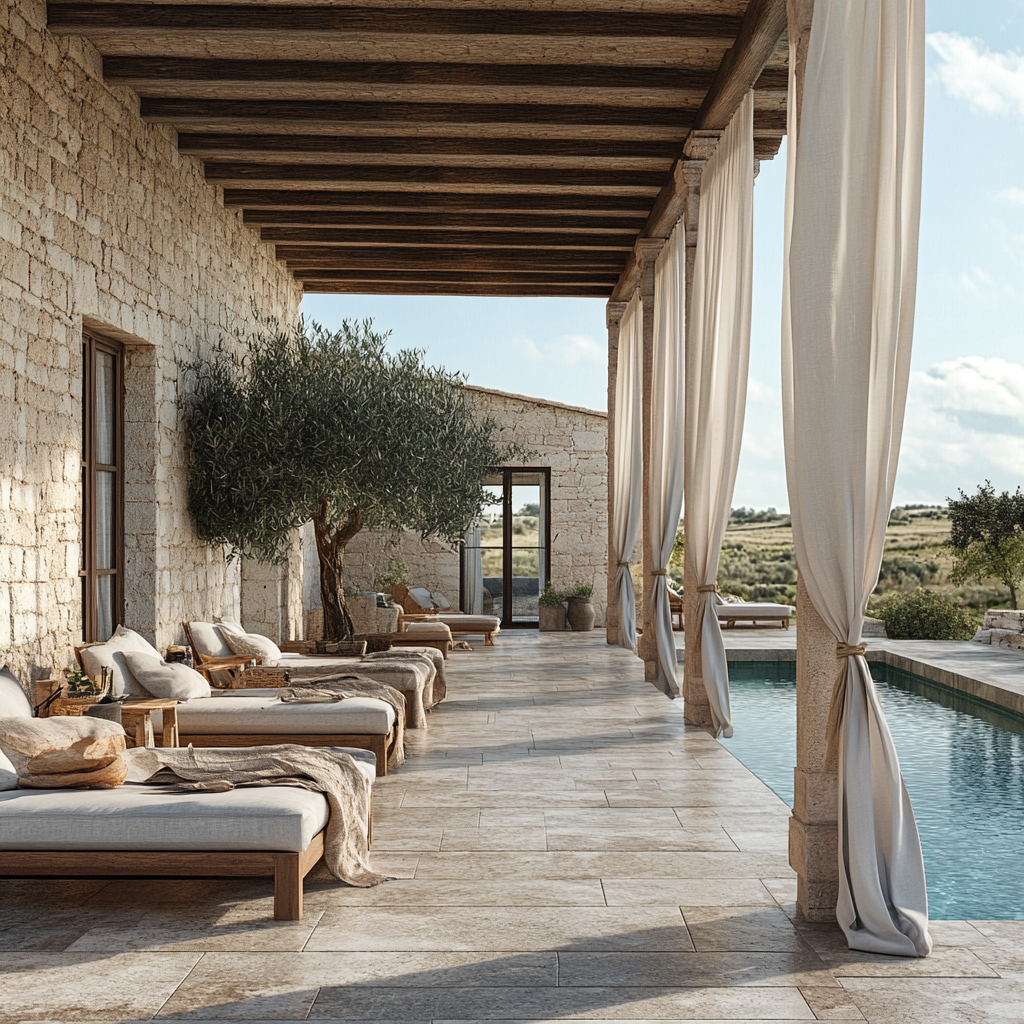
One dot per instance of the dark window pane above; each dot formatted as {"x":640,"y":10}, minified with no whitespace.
{"x":106,"y":521}
{"x":106,"y":399}
{"x":105,"y":591}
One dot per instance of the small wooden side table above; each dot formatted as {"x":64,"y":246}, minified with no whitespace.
{"x":140,"y":713}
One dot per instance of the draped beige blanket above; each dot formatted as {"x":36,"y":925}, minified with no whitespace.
{"x":342,"y":686}
{"x":330,"y":772}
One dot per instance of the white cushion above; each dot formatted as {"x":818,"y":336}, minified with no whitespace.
{"x":209,"y":640}
{"x":434,"y":630}
{"x":253,"y":645}
{"x":422,"y":597}
{"x":471,"y":623}
{"x":141,"y":817}
{"x":13,"y":702}
{"x":439,"y":600}
{"x":111,"y":656}
{"x":8,"y":776}
{"x":268,"y":716}
{"x":162,"y":679}
{"x":753,"y":609}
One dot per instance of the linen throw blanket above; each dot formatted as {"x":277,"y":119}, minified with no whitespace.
{"x":342,"y":686}
{"x":428,"y":654}
{"x":330,"y":772}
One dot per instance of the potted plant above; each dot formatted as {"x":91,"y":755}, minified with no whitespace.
{"x":581,"y":613}
{"x":395,"y":574}
{"x":552,"y":609}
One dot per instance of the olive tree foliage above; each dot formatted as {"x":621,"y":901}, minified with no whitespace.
{"x":309,"y":425}
{"x":987,"y":538}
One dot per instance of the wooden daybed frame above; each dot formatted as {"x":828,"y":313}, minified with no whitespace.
{"x":288,"y":869}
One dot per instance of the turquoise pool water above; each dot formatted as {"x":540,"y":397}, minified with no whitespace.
{"x":962,"y":761}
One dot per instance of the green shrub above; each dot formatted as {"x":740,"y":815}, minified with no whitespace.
{"x":551,"y":598}
{"x":580,"y":590}
{"x":923,"y":615}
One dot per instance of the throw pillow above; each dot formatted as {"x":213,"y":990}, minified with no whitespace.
{"x":172,"y":681}
{"x":8,"y":776}
{"x":111,"y":655}
{"x":252,"y":645}
{"x":422,"y":597}
{"x":440,"y":601}
{"x":65,"y":752}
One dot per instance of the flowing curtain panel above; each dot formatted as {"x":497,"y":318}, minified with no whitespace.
{"x":852,"y":214}
{"x":716,"y":379}
{"x":473,"y":573}
{"x":666,"y":478}
{"x":627,"y":485}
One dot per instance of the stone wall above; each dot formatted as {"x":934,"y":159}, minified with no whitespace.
{"x":572,"y":441}
{"x":104,"y":224}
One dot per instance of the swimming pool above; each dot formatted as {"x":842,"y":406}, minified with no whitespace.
{"x":962,"y":762}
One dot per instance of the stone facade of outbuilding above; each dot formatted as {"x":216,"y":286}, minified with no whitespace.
{"x":572,"y":441}
{"x":104,"y":225}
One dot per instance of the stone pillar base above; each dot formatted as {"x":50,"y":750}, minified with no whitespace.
{"x":813,"y":856}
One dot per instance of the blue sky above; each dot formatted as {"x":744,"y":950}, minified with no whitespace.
{"x":965,"y":414}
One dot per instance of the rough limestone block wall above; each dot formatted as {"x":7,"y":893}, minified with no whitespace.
{"x":572,"y":441}
{"x":104,"y":224}
{"x":271,"y":596}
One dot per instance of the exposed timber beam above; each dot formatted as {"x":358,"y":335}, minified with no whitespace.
{"x":88,"y":18}
{"x":495,"y":260}
{"x":328,"y":237}
{"x":551,"y":279}
{"x":491,"y":290}
{"x":524,"y":222}
{"x":510,"y":202}
{"x":764,"y":23}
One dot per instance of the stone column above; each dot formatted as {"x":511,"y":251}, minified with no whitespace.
{"x":613,"y":319}
{"x":813,"y":832}
{"x":696,"y":708}
{"x":647,"y":250}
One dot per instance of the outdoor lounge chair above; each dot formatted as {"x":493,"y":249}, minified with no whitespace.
{"x":256,"y":717}
{"x":414,"y":676}
{"x":420,"y":604}
{"x":146,"y":831}
{"x":755,"y":612}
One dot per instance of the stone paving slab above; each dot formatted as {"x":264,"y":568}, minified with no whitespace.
{"x":566,"y":848}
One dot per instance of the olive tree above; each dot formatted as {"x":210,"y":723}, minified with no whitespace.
{"x":987,"y":538}
{"x":306,"y":425}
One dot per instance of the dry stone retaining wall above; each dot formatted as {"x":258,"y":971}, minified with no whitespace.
{"x":104,"y":224}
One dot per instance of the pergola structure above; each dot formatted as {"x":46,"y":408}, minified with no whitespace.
{"x":489,"y":147}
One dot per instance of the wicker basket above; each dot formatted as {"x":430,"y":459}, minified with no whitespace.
{"x":254,"y":678}
{"x":73,"y":707}
{"x":375,"y":643}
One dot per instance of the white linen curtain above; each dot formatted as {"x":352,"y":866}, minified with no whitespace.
{"x":473,"y":580}
{"x":716,"y":379}
{"x":666,"y":477}
{"x":852,"y":215}
{"x":627,"y":485}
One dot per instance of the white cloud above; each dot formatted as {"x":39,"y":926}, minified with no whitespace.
{"x":991,"y":82}
{"x":1011,"y":195}
{"x":567,"y":350}
{"x":965,"y":424}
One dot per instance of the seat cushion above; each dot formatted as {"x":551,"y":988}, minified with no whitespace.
{"x":753,"y":610}
{"x":13,"y":702}
{"x":140,"y":817}
{"x":168,"y":680}
{"x":268,"y":716}
{"x":435,"y":630}
{"x":209,"y":640}
{"x":254,"y":645}
{"x":472,"y":623}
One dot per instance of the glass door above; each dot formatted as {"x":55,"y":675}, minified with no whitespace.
{"x":507,"y":560}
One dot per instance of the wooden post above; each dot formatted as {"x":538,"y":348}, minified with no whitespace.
{"x":647,"y":250}
{"x":613,"y":318}
{"x":813,"y":829}
{"x":696,"y":708}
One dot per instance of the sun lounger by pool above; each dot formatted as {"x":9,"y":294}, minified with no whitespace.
{"x":754,"y":612}
{"x":147,"y":831}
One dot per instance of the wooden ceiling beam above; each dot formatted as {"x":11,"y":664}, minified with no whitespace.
{"x":172,"y":110}
{"x":88,"y":18}
{"x":496,"y":260}
{"x":553,"y":278}
{"x":487,"y":290}
{"x":569,"y":224}
{"x":451,"y":202}
{"x":140,"y":72}
{"x":637,"y":182}
{"x":347,"y":237}
{"x":212,"y":144}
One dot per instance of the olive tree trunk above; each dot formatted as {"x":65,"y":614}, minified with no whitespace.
{"x":331,"y":539}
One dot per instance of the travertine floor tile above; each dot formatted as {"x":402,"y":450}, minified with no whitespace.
{"x":742,"y":928}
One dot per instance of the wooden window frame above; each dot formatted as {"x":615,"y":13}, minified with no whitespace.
{"x":88,"y":573}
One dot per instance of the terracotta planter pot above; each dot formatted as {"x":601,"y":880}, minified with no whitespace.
{"x":552,"y":619}
{"x":581,"y":614}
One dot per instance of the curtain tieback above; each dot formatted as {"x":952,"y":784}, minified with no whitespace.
{"x":660,"y":572}
{"x":624,"y":565}
{"x":835,"y":711}
{"x":708,"y":588}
